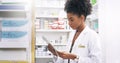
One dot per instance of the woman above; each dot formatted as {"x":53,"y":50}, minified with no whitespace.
{"x":83,"y":44}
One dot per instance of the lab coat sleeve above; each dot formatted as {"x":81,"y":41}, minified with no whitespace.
{"x":94,"y":48}
{"x":59,"y":60}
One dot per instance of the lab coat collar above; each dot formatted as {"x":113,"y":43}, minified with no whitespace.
{"x":83,"y":33}
{"x":85,"y":30}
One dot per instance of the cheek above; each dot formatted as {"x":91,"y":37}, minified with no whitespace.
{"x":70,"y":23}
{"x":76,"y":24}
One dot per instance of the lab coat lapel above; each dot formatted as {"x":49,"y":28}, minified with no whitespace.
{"x":82,"y":34}
{"x":70,"y":40}
{"x":80,"y":38}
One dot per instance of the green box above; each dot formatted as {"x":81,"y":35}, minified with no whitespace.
{"x":93,"y":2}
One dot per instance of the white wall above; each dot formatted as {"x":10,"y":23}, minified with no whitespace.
{"x":109,"y":23}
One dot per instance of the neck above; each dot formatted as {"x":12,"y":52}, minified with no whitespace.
{"x":81,"y":27}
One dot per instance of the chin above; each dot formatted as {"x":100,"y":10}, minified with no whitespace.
{"x":74,"y":28}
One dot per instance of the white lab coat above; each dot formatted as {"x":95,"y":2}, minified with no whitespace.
{"x":86,"y":46}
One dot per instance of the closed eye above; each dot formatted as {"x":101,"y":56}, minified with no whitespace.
{"x":71,"y":19}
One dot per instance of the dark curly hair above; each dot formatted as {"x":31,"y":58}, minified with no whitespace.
{"x":78,"y":7}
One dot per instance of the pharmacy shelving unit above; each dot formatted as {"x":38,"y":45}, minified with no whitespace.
{"x":15,"y":31}
{"x":51,"y":22}
{"x":92,"y":20}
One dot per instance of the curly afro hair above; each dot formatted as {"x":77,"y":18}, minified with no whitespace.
{"x":78,"y":7}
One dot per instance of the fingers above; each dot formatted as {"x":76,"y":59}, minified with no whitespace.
{"x":62,"y":54}
{"x":51,"y":49}
{"x":65,"y":55}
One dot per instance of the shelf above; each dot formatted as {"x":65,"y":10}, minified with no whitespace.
{"x":10,"y":61}
{"x":38,"y":17}
{"x":13,"y":10}
{"x":13,"y":14}
{"x":47,"y":16}
{"x":57,"y":7}
{"x":52,"y":44}
{"x":11,"y":1}
{"x":39,"y":30}
{"x":44,"y":56}
{"x":13,"y":45}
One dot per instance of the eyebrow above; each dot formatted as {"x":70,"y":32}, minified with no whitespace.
{"x":70,"y":18}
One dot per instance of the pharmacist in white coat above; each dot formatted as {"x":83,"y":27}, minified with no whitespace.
{"x":83,"y":44}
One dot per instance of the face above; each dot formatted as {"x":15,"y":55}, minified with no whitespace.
{"x":74,"y":20}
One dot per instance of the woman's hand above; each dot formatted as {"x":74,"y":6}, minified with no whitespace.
{"x":52,"y":50}
{"x":63,"y":55}
{"x":66,"y":55}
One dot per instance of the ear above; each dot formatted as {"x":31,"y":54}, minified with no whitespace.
{"x":82,"y":17}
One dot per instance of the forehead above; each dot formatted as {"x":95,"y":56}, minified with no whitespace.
{"x":71,"y":15}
